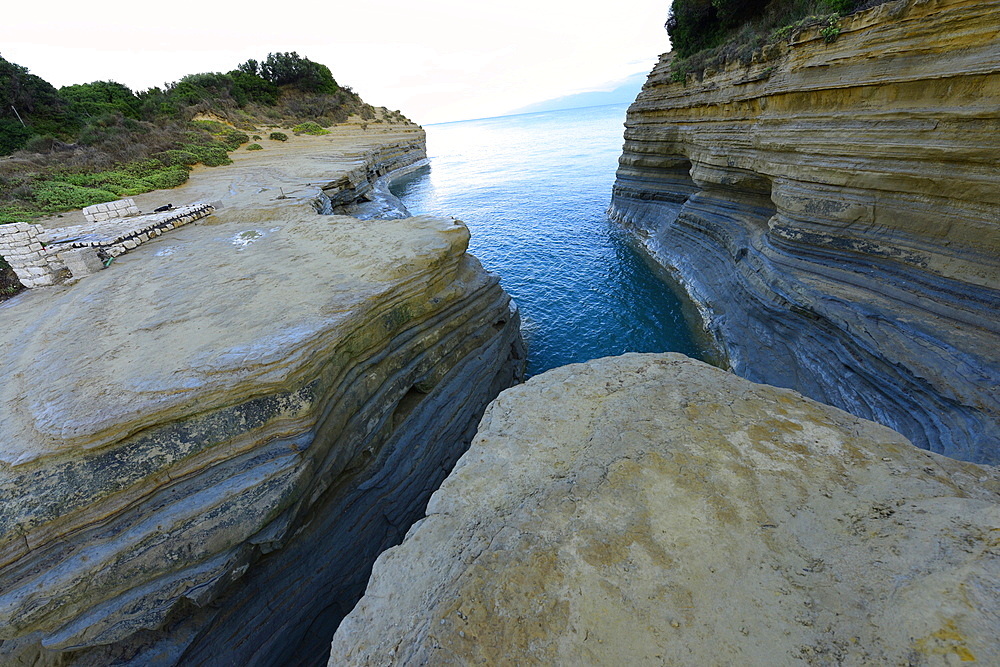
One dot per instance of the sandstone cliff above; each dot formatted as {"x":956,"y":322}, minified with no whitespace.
{"x":204,"y":447}
{"x":834,"y":211}
{"x":651,"y":510}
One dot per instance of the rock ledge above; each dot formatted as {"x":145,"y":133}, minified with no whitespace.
{"x":651,"y":509}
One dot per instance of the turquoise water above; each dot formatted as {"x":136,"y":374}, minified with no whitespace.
{"x":533,"y":190}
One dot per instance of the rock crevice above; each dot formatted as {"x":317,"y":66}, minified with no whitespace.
{"x":651,"y":509}
{"x":205,"y":445}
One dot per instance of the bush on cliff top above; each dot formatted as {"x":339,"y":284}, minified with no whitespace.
{"x":709,"y":33}
{"x":309,"y":128}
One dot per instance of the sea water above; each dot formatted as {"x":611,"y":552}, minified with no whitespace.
{"x":534,"y":190}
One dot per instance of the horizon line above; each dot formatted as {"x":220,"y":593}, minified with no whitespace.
{"x":527,"y":113}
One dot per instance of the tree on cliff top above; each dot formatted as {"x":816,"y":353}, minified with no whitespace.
{"x":698,"y":25}
{"x":694,"y":25}
{"x":290,"y":69}
{"x":30,"y":105}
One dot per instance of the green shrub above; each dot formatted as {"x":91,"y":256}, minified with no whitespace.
{"x":278,"y":136}
{"x":842,"y":7}
{"x":309,"y":127}
{"x":212,"y":126}
{"x":40,"y":144}
{"x":253,"y":88}
{"x":169,"y":177}
{"x":16,"y":214}
{"x":710,"y":33}
{"x":831,"y":31}
{"x":255,"y":137}
{"x":678,"y":70}
{"x":290,"y":69}
{"x":40,"y":109}
{"x":255,"y":147}
{"x":129,"y":179}
{"x":60,"y":196}
{"x":210,"y":155}
{"x":233,"y":139}
{"x":178,"y":157}
{"x":13,"y":135}
{"x":101,"y":97}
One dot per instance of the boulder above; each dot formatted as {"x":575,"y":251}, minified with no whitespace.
{"x":651,"y":509}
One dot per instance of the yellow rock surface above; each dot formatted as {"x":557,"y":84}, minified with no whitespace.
{"x":651,"y":510}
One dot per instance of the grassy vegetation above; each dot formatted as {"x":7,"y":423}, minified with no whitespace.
{"x":95,"y":142}
{"x":309,"y":127}
{"x":708,"y":34}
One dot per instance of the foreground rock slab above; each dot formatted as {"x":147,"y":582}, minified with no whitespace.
{"x":204,"y":446}
{"x":651,"y":509}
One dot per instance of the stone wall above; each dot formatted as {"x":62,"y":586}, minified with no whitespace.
{"x":110,"y":210}
{"x":22,"y":245}
{"x":43,"y":257}
{"x":833,"y":210}
{"x":117,"y":235}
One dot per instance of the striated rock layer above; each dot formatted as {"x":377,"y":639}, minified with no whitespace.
{"x":204,"y":447}
{"x":834,"y":210}
{"x":654,"y":510}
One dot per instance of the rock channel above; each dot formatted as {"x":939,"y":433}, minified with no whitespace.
{"x":653,"y":510}
{"x":834,"y":211}
{"x":204,"y":446}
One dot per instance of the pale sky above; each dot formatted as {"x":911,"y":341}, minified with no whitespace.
{"x":434,"y":60}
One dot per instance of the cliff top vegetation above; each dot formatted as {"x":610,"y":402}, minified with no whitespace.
{"x":709,"y":33}
{"x":95,"y":142}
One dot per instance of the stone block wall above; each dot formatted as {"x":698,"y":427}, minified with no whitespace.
{"x":111,"y":209}
{"x":152,"y":225}
{"x":39,"y":259}
{"x":23,"y":246}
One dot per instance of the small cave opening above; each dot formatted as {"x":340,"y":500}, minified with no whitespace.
{"x":408,"y":403}
{"x":10,"y":284}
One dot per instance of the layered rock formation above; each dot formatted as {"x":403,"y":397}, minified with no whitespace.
{"x":204,"y":447}
{"x":651,"y":510}
{"x":834,"y":210}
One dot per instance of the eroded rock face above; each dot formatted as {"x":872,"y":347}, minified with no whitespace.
{"x":651,"y":509}
{"x":835,"y":212}
{"x":204,"y":447}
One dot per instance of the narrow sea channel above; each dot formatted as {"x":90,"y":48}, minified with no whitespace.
{"x":533,"y":190}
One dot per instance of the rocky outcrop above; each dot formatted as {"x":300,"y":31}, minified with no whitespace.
{"x":204,"y":446}
{"x":651,"y":510}
{"x":363,"y":191}
{"x":834,"y":211}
